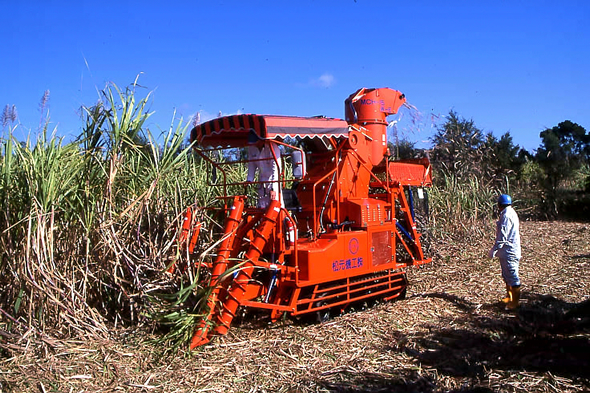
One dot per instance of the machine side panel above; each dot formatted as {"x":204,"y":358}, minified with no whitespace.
{"x":333,"y":257}
{"x":347,"y":254}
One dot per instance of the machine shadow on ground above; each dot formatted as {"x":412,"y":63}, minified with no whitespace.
{"x":546,"y":336}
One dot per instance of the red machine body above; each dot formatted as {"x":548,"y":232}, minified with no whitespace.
{"x":342,"y":230}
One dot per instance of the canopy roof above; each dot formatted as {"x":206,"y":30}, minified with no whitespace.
{"x":233,"y":130}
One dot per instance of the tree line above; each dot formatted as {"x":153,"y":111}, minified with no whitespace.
{"x":551,"y":182}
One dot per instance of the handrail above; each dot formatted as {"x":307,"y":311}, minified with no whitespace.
{"x":385,"y":186}
{"x":216,"y":165}
{"x":219,"y":165}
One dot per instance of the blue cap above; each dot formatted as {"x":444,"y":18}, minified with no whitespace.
{"x":504,"y":200}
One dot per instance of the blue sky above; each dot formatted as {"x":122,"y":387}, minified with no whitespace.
{"x":518,"y":66}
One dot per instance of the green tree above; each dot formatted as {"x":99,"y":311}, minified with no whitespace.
{"x":457,"y":146}
{"x":404,"y":149}
{"x":564,"y":152}
{"x":564,"y":148}
{"x":501,"y":158}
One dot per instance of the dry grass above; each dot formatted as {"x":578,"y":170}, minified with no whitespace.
{"x":448,"y":335}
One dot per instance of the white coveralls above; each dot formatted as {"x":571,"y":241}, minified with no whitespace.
{"x":264,"y":161}
{"x":507,"y":246}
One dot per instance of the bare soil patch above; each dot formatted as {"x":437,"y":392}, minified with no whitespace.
{"x":449,"y":335}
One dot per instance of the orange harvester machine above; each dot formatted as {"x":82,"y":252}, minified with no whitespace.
{"x":341,"y":229}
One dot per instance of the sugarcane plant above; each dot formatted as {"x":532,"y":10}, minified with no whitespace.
{"x":87,"y":227}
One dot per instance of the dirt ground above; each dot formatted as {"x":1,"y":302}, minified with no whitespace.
{"x":449,"y":335}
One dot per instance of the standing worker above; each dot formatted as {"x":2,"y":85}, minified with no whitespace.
{"x":265,"y":157}
{"x":507,"y":249}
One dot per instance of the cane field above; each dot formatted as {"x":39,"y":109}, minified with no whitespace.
{"x":88,"y":231}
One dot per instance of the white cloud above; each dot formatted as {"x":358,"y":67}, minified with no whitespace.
{"x":325,"y":80}
{"x":204,"y":116}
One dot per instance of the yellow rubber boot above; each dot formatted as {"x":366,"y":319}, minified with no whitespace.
{"x":508,"y":297}
{"x":514,"y":302}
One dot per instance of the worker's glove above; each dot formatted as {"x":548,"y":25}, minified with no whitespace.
{"x":492,"y":253}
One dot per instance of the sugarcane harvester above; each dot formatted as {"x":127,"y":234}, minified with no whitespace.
{"x":333,"y":220}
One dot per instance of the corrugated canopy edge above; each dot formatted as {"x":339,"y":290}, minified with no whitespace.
{"x":233,"y":130}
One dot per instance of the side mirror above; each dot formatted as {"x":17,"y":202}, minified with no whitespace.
{"x":299,"y":166}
